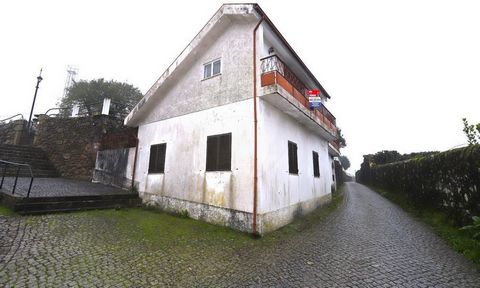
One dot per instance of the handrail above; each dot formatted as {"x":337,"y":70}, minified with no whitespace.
{"x":19,"y":165}
{"x":120,"y":105}
{"x":19,"y":114}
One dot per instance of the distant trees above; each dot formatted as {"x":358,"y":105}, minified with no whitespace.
{"x":472,"y":132}
{"x":390,"y":156}
{"x":90,"y":94}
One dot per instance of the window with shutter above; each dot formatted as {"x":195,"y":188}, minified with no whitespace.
{"x":219,"y":152}
{"x":157,"y":158}
{"x":316,"y":166}
{"x":292,"y":158}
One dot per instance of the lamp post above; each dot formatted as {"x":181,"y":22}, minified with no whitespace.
{"x":39,"y":79}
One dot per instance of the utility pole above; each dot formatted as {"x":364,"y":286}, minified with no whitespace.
{"x":39,"y":79}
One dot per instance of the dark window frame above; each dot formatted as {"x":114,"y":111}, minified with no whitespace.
{"x":219,"y":153}
{"x":292,"y":158}
{"x":316,"y":164}
{"x":156,"y":164}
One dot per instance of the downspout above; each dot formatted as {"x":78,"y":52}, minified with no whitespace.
{"x":134,"y":163}
{"x":255,"y":178}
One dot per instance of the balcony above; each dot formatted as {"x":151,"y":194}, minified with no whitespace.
{"x":278,"y":81}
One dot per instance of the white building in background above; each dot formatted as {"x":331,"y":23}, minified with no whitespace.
{"x":226,"y":133}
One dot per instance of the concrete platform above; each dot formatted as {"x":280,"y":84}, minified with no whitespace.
{"x":51,"y":195}
{"x":58,"y":187}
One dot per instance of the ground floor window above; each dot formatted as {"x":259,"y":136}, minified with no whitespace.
{"x":292,"y":158}
{"x":316,"y":166}
{"x":157,"y":158}
{"x":219,"y":152}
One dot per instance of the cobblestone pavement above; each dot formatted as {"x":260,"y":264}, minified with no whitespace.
{"x":366,"y":242}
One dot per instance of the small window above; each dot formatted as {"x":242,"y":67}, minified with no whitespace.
{"x":219,"y":152}
{"x":316,"y":167}
{"x":157,"y":158}
{"x":292,"y":158}
{"x":212,"y":68}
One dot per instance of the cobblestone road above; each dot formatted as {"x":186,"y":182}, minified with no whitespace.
{"x":366,"y":242}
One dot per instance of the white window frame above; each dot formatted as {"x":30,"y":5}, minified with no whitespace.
{"x":210,"y":65}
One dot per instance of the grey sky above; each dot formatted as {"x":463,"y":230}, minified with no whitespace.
{"x":401,"y":74}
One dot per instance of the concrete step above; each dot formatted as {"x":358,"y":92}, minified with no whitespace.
{"x":64,"y":204}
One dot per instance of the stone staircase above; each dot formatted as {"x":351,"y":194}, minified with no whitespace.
{"x":35,"y":157}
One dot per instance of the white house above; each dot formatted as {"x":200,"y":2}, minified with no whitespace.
{"x":226,"y":133}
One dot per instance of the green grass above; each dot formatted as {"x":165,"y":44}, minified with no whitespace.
{"x":5,"y":211}
{"x":460,"y":240}
{"x":148,"y":223}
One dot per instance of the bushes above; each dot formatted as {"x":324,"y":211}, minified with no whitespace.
{"x":448,"y":181}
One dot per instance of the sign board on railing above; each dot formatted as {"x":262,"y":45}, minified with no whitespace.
{"x":313,"y":99}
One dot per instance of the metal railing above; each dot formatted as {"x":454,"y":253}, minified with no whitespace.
{"x":4,"y":121}
{"x":17,"y":166}
{"x":274,"y":63}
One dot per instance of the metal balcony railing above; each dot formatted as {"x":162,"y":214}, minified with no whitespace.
{"x":273,"y":64}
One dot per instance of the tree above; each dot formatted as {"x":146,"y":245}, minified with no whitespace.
{"x":472,"y":132}
{"x":90,"y":94}
{"x":341,"y":140}
{"x":345,"y":162}
{"x":386,"y":156}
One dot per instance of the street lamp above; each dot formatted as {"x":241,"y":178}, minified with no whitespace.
{"x":39,"y":79}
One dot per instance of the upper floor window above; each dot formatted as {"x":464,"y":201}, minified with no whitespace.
{"x":212,"y":68}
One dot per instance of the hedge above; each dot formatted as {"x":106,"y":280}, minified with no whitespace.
{"x":448,"y":181}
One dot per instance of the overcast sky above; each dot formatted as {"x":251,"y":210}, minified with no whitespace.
{"x":401,"y":74}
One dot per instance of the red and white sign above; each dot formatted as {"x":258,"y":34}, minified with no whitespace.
{"x":313,"y":93}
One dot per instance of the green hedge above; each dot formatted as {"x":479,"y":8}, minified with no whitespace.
{"x":448,"y":181}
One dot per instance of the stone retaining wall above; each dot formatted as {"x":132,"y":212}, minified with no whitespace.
{"x":72,"y":143}
{"x":13,"y":132}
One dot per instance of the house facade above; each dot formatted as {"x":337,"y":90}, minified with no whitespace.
{"x":226,"y":133}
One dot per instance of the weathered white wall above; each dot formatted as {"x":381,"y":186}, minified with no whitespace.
{"x":278,"y":188}
{"x":186,"y":137}
{"x":186,"y":91}
{"x":186,"y":109}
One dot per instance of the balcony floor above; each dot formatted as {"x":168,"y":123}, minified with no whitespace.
{"x":282,"y":100}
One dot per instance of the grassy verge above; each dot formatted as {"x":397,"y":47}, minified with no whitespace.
{"x":460,"y":240}
{"x":174,"y":228}
{"x":310,"y":219}
{"x":5,"y":211}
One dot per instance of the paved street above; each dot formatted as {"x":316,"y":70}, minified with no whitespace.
{"x":366,"y":242}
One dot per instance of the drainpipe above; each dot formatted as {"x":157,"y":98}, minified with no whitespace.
{"x":255,"y":124}
{"x":134,"y":163}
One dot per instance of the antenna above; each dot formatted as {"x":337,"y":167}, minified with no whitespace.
{"x":71,"y":75}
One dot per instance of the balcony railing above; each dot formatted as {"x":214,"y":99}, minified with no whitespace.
{"x":274,"y":71}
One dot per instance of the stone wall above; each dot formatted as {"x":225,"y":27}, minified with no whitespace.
{"x":72,"y":143}
{"x":13,"y":132}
